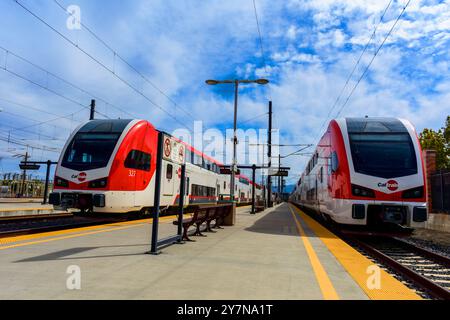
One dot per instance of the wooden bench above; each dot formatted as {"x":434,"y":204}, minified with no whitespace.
{"x":204,"y":214}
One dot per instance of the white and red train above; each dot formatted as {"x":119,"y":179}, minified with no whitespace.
{"x":366,"y":171}
{"x":109,"y":166}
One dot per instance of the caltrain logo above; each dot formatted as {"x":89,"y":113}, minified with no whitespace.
{"x":392,"y":185}
{"x":81,"y":176}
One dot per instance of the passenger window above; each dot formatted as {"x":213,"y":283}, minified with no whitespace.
{"x":138,"y":160}
{"x":187,"y":186}
{"x":169,"y":171}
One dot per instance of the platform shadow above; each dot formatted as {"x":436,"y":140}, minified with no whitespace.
{"x":280,"y":222}
{"x":65,"y":254}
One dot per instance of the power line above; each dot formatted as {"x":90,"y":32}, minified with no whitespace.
{"x":261,"y":45}
{"x":9,"y":52}
{"x":355,"y":66}
{"x":39,"y":123}
{"x":253,"y":118}
{"x":126,"y":62}
{"x":35,"y":108}
{"x":373,"y":58}
{"x":99,"y":62}
{"x":23,"y":144}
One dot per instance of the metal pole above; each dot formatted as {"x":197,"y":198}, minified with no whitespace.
{"x":47,"y":178}
{"x":269,"y":155}
{"x":279,"y":177}
{"x":22,"y":191}
{"x":236,"y":85}
{"x":253,"y":188}
{"x":91,"y":116}
{"x":181,"y":201}
{"x":154,"y":245}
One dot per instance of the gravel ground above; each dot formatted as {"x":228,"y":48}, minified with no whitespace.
{"x":437,"y":241}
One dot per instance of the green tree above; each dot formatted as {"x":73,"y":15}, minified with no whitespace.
{"x":439,"y":141}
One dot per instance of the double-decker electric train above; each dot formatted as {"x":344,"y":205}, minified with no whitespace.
{"x":109,"y":166}
{"x":366,"y":171}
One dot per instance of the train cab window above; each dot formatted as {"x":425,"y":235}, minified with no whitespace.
{"x":90,"y":150}
{"x":138,"y":160}
{"x":169,"y":171}
{"x":383,"y":155}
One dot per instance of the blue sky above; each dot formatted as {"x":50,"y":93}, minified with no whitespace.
{"x":310,"y":48}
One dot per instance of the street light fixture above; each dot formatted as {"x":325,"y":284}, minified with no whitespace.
{"x":236,"y":86}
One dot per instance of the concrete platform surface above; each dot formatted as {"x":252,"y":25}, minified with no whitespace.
{"x":264,"y":256}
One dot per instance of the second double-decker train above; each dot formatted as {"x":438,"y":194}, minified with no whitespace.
{"x":366,"y":171}
{"x":109,"y":166}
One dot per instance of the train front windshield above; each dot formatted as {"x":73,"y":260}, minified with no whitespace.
{"x":89,"y":151}
{"x":385,"y":155}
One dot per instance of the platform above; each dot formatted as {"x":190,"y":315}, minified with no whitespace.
{"x":276,"y":254}
{"x":19,"y":207}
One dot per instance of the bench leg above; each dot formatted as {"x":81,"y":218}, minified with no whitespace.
{"x":208,"y":227}
{"x":185,"y":235}
{"x":198,"y":232}
{"x":217,"y":224}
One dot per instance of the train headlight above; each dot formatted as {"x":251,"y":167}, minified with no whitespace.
{"x":60,"y":182}
{"x":99,"y":183}
{"x":362,"y":191}
{"x":413,"y":193}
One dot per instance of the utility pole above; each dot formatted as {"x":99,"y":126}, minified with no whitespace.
{"x":279,"y":177}
{"x":269,"y":155}
{"x":91,"y":116}
{"x":24,"y":174}
{"x":233,"y":169}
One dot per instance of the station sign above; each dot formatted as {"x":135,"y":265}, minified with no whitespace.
{"x":227,"y":170}
{"x":173,"y":150}
{"x":27,"y":166}
{"x":274,"y":172}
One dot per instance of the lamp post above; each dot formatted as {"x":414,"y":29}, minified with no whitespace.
{"x":236,"y":87}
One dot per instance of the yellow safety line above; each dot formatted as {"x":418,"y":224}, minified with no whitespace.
{"x":327,"y":288}
{"x":359,"y":267}
{"x":25,"y":209}
{"x":104,"y":228}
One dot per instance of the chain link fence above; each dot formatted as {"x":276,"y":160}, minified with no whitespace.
{"x":440,"y":191}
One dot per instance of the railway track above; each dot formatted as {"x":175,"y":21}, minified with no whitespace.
{"x":425,"y":269}
{"x":30,"y":224}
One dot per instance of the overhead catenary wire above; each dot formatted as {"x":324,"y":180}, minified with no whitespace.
{"x":27,"y":106}
{"x":24,"y":144}
{"x":253,"y":118}
{"x":132,"y":67}
{"x":75,"y":45}
{"x":263,"y":57}
{"x":354,"y":67}
{"x":5,"y":68}
{"x":9,"y":52}
{"x":373,"y":58}
{"x":47,"y":122}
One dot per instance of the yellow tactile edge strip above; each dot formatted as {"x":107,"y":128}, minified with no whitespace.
{"x":325,"y":284}
{"x":26,"y":209}
{"x":71,"y":233}
{"x":357,"y":266}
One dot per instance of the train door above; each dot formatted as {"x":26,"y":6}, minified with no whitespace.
{"x":168,"y":179}
{"x":218,"y":189}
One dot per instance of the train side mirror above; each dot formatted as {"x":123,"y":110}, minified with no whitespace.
{"x":334,"y":162}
